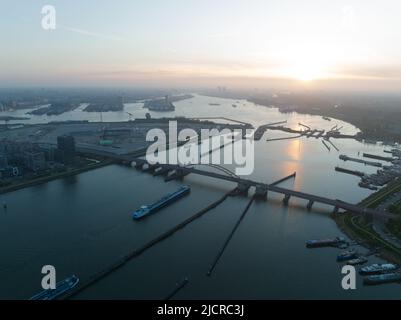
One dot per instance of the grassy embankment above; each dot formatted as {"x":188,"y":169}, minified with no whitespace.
{"x":360,"y":228}
{"x":394,"y":226}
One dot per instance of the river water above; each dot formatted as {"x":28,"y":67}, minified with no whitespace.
{"x":82,"y":224}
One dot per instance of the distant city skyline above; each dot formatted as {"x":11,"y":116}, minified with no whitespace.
{"x":350,"y":45}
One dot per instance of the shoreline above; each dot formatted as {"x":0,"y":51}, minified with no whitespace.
{"x":49,"y":178}
{"x":364,"y":129}
{"x":363,"y":135}
{"x":364,"y":235}
{"x":369,"y":241}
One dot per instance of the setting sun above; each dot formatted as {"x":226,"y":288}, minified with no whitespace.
{"x":307,"y":74}
{"x":307,"y":61}
{"x":306,"y":71}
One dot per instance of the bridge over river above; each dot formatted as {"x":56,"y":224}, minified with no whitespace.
{"x":178,"y":172}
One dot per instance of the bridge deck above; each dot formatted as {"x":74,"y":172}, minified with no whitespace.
{"x":274,"y":188}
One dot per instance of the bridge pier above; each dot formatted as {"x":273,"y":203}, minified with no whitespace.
{"x":310,"y":204}
{"x":335,"y":211}
{"x":161,"y":172}
{"x":151,"y":168}
{"x":243,"y":188}
{"x":138,"y":166}
{"x":261,"y":192}
{"x":179,"y":174}
{"x":126,"y":163}
{"x":286,"y":199}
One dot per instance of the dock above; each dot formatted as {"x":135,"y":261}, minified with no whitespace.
{"x":365,"y":162}
{"x":260,"y":131}
{"x":325,"y":144}
{"x":334,"y":146}
{"x":352,"y":172}
{"x":308,"y":132}
{"x":284,"y":138}
{"x":373,"y":156}
{"x":305,"y":126}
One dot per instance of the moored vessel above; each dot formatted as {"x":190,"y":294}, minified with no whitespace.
{"x":382,"y":278}
{"x":331,"y":242}
{"x":378,"y":268}
{"x":357,"y":261}
{"x":347,"y":255}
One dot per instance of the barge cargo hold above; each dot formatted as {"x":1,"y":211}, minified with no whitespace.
{"x":62,"y":288}
{"x":382,"y":278}
{"x":334,"y":242}
{"x":163,"y":202}
{"x":378,"y":269}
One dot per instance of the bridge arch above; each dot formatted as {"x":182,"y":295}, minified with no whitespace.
{"x":226,"y":171}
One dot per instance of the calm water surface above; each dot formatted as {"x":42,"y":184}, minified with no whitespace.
{"x":82,"y":224}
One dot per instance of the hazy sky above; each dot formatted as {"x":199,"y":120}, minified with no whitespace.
{"x":181,"y":42}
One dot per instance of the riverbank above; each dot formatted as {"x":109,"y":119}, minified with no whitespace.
{"x":41,"y":180}
{"x":365,"y":236}
{"x":376,"y":122}
{"x":361,"y":229}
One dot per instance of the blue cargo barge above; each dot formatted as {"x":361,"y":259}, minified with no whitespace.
{"x":62,"y":287}
{"x":163,"y":202}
